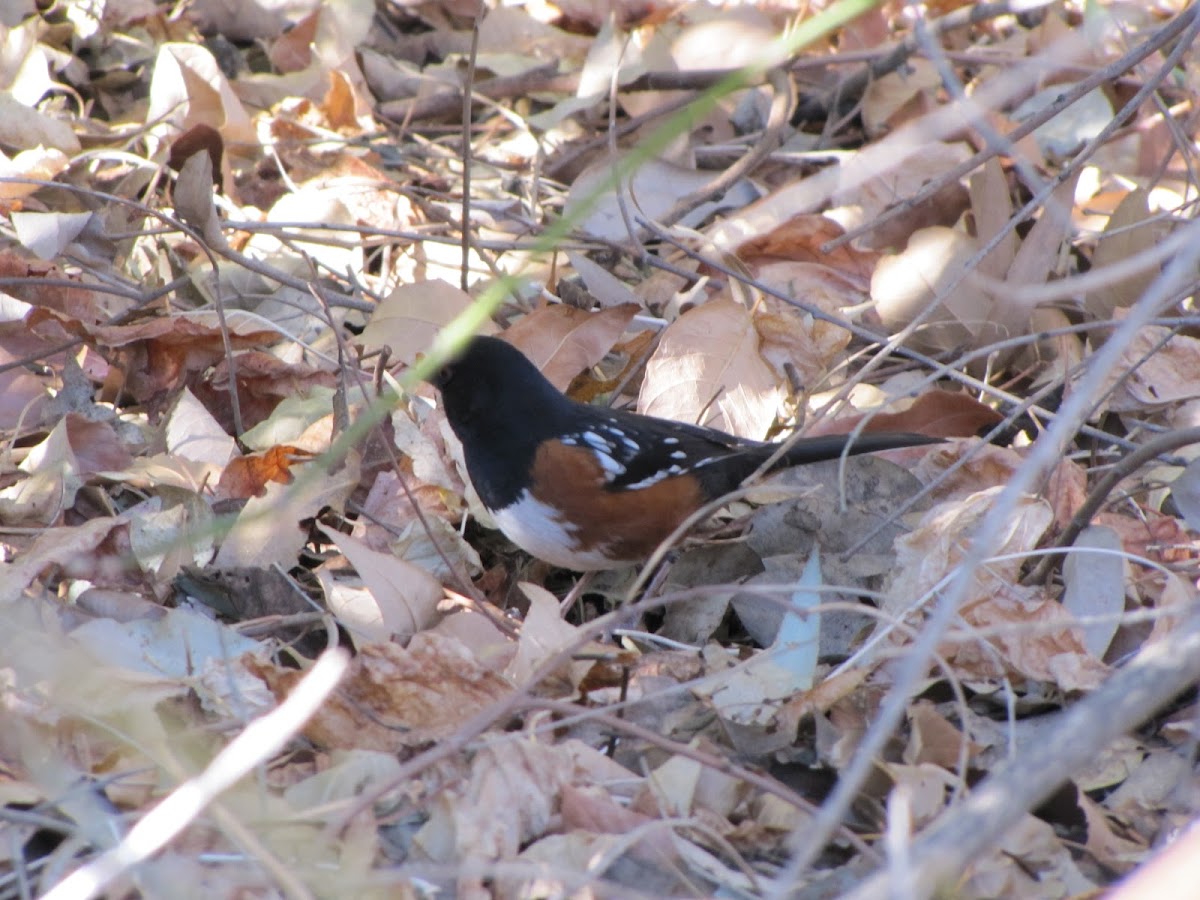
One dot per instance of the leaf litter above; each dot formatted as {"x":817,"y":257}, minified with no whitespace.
{"x":229,"y":234}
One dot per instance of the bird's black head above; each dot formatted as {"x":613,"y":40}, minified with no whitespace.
{"x":501,"y":407}
{"x":491,"y":379}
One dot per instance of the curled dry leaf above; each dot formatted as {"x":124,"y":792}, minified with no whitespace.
{"x":269,"y":530}
{"x":189,"y":89}
{"x":41,"y":285}
{"x":1042,"y":858}
{"x":39,"y":164}
{"x":789,"y":258}
{"x":1112,"y":845}
{"x":985,"y":466}
{"x":925,"y":786}
{"x":405,"y":595}
{"x":264,"y":381}
{"x":54,"y":547}
{"x":158,"y":354}
{"x":248,"y":476}
{"x":799,"y":240}
{"x":23,"y":126}
{"x":544,"y":635}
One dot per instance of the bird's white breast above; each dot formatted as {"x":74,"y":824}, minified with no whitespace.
{"x":538,"y":529}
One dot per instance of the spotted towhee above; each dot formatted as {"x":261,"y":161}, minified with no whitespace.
{"x":585,"y":487}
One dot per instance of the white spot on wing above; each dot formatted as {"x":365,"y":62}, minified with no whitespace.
{"x":678,"y":454}
{"x":670,"y":440}
{"x":596,"y":441}
{"x":611,"y":467}
{"x":660,"y":475}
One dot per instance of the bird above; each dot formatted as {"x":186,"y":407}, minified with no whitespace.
{"x":584,"y":487}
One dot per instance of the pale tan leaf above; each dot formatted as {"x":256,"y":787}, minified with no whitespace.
{"x":406,"y":596}
{"x":189,"y":89}
{"x":544,"y":635}
{"x":707,"y":370}
{"x":905,"y":284}
{"x":1127,"y":233}
{"x":562,"y":341}
{"x":23,"y":126}
{"x":408,"y":319}
{"x":267,"y":531}
{"x":991,"y":205}
{"x":887,"y":97}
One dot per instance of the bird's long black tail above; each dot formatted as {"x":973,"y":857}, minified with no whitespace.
{"x":831,"y":446}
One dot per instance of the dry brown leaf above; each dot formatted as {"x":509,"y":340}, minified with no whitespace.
{"x":23,"y":126}
{"x":292,"y":50}
{"x":593,"y":810}
{"x":991,"y":205}
{"x":39,"y":164}
{"x":859,"y":197}
{"x":509,"y":798}
{"x":187,"y":89}
{"x":73,"y":548}
{"x":792,"y":338}
{"x":95,"y":445}
{"x":263,"y":380}
{"x":1158,"y":367}
{"x":544,"y":636}
{"x":935,"y":413}
{"x":1127,"y":233}
{"x":394,"y":698}
{"x":707,"y":370}
{"x":26,"y":277}
{"x":1114,"y":847}
{"x":926,"y":788}
{"x":1044,"y":645}
{"x":1044,"y":867}
{"x":158,"y":354}
{"x":900,"y":96}
{"x":799,"y":239}
{"x":562,"y":341}
{"x":986,"y":466}
{"x":1151,"y":534}
{"x":935,"y":741}
{"x":270,"y":530}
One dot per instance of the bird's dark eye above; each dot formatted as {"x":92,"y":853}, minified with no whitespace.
{"x":444,"y":376}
